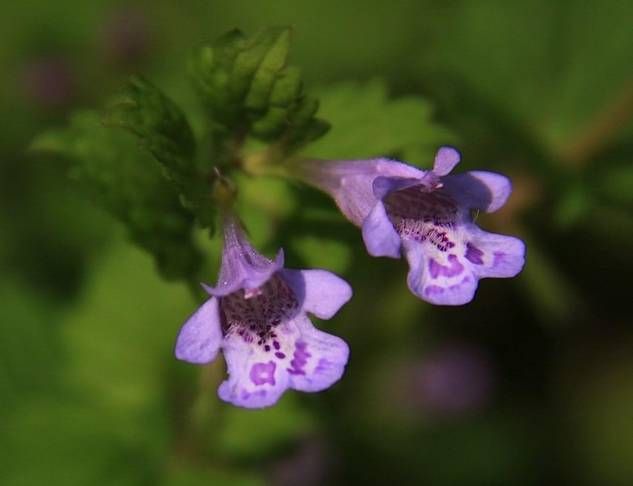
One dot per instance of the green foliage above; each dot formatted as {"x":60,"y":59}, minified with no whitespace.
{"x":616,"y":185}
{"x":597,"y":414}
{"x":118,"y":177}
{"x":31,"y":350}
{"x":163,"y":130}
{"x":251,"y":434}
{"x":159,"y":124}
{"x":215,"y":477}
{"x":529,"y":60}
{"x":367,"y":123}
{"x":68,"y":441}
{"x":96,"y":413}
{"x":247,"y":89}
{"x":117,"y":347}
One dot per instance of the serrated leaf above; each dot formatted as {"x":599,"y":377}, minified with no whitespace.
{"x":122,"y":179}
{"x":271,"y":124}
{"x":367,"y":123}
{"x":303,"y":126}
{"x":248,"y":90}
{"x":287,"y":87}
{"x":159,"y":123}
{"x":268,"y":69}
{"x":234,"y":74}
{"x":305,"y":109}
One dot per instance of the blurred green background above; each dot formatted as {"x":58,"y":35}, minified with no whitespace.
{"x":531,"y":383}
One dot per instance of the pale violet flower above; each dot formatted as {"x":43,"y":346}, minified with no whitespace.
{"x":427,"y":216}
{"x":257,"y":316}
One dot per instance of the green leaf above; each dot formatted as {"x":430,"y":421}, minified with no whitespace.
{"x":276,"y":43}
{"x":159,"y":124}
{"x":210,"y":69}
{"x":529,"y":61}
{"x":287,"y":88}
{"x":235,"y":75}
{"x":366,"y":123}
{"x":121,"y":333}
{"x":66,"y":441}
{"x":248,"y":90}
{"x":30,"y":348}
{"x":122,"y":179}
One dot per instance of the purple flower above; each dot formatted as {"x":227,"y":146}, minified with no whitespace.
{"x":427,"y":215}
{"x":257,"y":316}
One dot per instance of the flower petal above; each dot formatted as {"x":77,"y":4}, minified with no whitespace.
{"x":302,"y":358}
{"x":477,"y":189}
{"x":493,"y":255}
{"x":242,"y":266}
{"x":256,"y":379}
{"x":445,"y":160}
{"x":318,"y":360}
{"x":379,"y":235}
{"x":350,"y":182}
{"x":499,"y":186}
{"x":319,"y":292}
{"x":447,"y":282}
{"x":201,"y":336}
{"x":384,"y":185}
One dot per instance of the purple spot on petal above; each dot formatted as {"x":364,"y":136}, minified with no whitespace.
{"x":433,"y":290}
{"x":455,"y":268}
{"x":474,"y":254}
{"x":458,"y":285}
{"x":263,"y":373}
{"x":434,"y":268}
{"x":323,"y":365}
{"x":280,"y":355}
{"x":498,"y":258}
{"x":299,"y":359}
